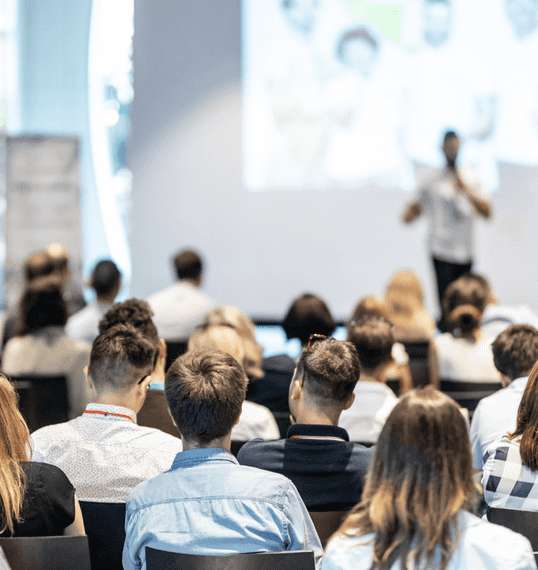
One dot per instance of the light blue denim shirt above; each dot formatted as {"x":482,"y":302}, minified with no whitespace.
{"x":209,"y":504}
{"x":481,"y":546}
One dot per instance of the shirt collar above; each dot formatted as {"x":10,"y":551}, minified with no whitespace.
{"x":108,"y":411}
{"x":317,"y":430}
{"x":197,"y":456}
{"x":518,"y":383}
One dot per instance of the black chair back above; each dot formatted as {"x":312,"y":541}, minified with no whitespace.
{"x":523,"y":522}
{"x":327,"y":523}
{"x":468,"y":394}
{"x":235,"y":446}
{"x":395,"y":384}
{"x":283,"y":422}
{"x":47,"y":553}
{"x":418,"y":362}
{"x":42,"y":399}
{"x":105,"y":527}
{"x":173,"y":350}
{"x":294,"y":560}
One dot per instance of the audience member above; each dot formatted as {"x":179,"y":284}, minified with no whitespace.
{"x":37,"y":264}
{"x":178,"y":309}
{"x":498,"y":317}
{"x":464,"y":353}
{"x":511,"y":463}
{"x":104,"y":452}
{"x":514,"y":353}
{"x":106,"y":282}
{"x":373,"y":339}
{"x":327,"y":470}
{"x":41,"y":346}
{"x":398,"y":369}
{"x":415,"y":507}
{"x":71,"y":292}
{"x":406,"y":310}
{"x":255,"y":420}
{"x":36,"y":499}
{"x":137,"y":313}
{"x":207,"y":503}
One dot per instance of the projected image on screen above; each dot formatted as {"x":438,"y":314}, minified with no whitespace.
{"x":356,"y":94}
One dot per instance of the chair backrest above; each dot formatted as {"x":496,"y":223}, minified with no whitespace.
{"x":418,"y":362}
{"x":294,"y":560}
{"x":173,"y":350}
{"x":105,"y":527}
{"x":47,"y":553}
{"x":235,"y":446}
{"x":466,"y":393}
{"x":395,"y":384}
{"x":523,"y":522}
{"x":327,"y":523}
{"x":43,"y":400}
{"x":283,"y":421}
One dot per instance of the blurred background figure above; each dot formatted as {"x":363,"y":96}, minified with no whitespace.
{"x":406,"y":310}
{"x":255,"y":420}
{"x":40,"y":345}
{"x":523,"y":16}
{"x":106,"y":282}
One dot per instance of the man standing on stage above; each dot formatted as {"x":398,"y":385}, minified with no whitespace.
{"x":450,"y":202}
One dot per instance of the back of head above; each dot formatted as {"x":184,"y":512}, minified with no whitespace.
{"x":105,"y":278}
{"x":119,"y":358}
{"x":330,"y":369}
{"x":60,"y":257}
{"x":205,"y":391}
{"x":188,"y":265}
{"x":308,"y":315}
{"x":134,"y":312}
{"x":515,"y":351}
{"x":42,"y":305}
{"x":368,"y":307}
{"x":373,"y":339}
{"x":404,"y":289}
{"x":464,"y":302}
{"x":14,"y":438}
{"x":38,"y":264}
{"x":223,"y":338}
{"x":420,"y":478}
{"x":228,"y":315}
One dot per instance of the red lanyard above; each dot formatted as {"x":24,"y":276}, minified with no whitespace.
{"x":109,"y":414}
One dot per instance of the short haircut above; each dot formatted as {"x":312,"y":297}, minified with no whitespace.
{"x":465,"y":292}
{"x":515,"y":351}
{"x":114,"y":355}
{"x":361,"y":34}
{"x":373,"y":339}
{"x":308,"y":315}
{"x":449,"y":135}
{"x":42,"y":305}
{"x":188,"y":264}
{"x":205,"y":391}
{"x":105,"y":277}
{"x":134,"y":312}
{"x":37,"y":265}
{"x":330,"y":369}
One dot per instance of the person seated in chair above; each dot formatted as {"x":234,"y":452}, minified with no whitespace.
{"x":328,"y":471}
{"x":207,"y":503}
{"x":104,"y":453}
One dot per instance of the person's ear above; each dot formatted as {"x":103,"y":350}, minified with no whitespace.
{"x":143,"y":387}
{"x":296,"y":388}
{"x":87,"y":375}
{"x":350,"y":401}
{"x":239,"y":416}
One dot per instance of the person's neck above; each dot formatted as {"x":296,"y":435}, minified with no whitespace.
{"x":106,"y":299}
{"x":474,"y":335}
{"x":316,"y":416}
{"x":114,"y":399}
{"x":373,"y":375}
{"x":217,"y":443}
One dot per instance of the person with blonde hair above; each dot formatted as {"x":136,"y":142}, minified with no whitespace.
{"x":36,"y":499}
{"x":405,"y":298}
{"x":255,"y":420}
{"x":415,"y":505}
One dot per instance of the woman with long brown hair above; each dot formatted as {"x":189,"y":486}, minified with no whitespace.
{"x":510,"y":473}
{"x":36,"y":499}
{"x":413,"y":513}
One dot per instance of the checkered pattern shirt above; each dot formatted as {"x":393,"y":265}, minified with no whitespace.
{"x":507,"y":482}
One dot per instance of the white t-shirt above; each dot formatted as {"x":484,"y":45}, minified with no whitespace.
{"x":451,"y":215}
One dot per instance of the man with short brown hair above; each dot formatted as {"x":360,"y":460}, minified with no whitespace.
{"x":515,"y":351}
{"x":207,"y":503}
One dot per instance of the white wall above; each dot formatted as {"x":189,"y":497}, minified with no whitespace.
{"x":263,"y":249}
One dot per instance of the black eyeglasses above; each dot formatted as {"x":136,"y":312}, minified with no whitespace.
{"x":143,"y":378}
{"x":315,"y":338}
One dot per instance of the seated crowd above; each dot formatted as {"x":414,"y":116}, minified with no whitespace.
{"x":226,"y":451}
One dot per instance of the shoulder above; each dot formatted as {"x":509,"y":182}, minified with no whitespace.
{"x":260,"y":452}
{"x":48,"y":476}
{"x":344,"y":552}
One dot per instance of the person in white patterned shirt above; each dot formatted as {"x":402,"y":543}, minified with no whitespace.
{"x":103,"y":452}
{"x":510,"y":473}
